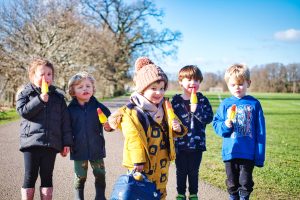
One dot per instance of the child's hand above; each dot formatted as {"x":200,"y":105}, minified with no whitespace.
{"x":176,"y":125}
{"x":64,"y":152}
{"x":138,"y":168}
{"x":44,"y":97}
{"x":228,"y":123}
{"x":107,"y":127}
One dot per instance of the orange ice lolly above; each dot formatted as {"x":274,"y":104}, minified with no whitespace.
{"x":44,"y":88}
{"x":194,"y":99}
{"x":232,"y":112}
{"x":102,"y":117}
{"x":170,"y":110}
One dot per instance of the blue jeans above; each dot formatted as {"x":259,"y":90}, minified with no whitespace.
{"x":187,"y":167}
{"x":38,"y":160}
{"x":239,"y":177}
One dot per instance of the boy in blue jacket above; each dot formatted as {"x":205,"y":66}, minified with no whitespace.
{"x":195,"y":116}
{"x":240,"y":121}
{"x":89,"y":144}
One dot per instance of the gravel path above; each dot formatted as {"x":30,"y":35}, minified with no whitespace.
{"x":11,"y":168}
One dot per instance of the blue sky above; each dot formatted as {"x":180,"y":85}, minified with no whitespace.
{"x":217,"y":33}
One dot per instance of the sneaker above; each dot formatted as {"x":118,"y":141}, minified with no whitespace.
{"x":193,"y":197}
{"x":180,"y":197}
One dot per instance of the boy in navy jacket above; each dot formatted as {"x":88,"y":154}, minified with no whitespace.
{"x":240,"y":121}
{"x":195,"y":116}
{"x":88,"y":137}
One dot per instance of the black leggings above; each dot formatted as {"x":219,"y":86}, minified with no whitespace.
{"x":39,"y":160}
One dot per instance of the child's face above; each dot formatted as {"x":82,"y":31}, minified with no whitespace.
{"x":40,"y":72}
{"x":188,"y":85}
{"x":237,"y":88}
{"x":155,"y":92}
{"x":83,"y":91}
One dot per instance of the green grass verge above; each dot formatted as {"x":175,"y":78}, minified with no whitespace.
{"x":8,"y":116}
{"x":280,"y":177}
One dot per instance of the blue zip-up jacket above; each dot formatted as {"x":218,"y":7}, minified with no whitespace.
{"x":88,"y":138}
{"x":195,"y":122}
{"x":247,"y":138}
{"x":43,"y":124}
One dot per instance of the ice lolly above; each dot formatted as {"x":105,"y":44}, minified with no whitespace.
{"x":170,"y":110}
{"x":101,"y":115}
{"x":232,"y":112}
{"x":44,"y":88}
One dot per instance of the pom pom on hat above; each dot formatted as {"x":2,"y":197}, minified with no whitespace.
{"x":141,"y":62}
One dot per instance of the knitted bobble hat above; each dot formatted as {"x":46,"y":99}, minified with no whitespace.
{"x":146,"y":73}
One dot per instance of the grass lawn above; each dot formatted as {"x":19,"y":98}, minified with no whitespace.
{"x":8,"y":115}
{"x":280,"y":177}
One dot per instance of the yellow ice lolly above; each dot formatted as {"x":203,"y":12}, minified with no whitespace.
{"x":232,"y":112}
{"x":102,"y":117}
{"x":44,"y":86}
{"x":170,"y":110}
{"x":194,"y":99}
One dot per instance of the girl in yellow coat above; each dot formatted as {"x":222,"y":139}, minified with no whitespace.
{"x":147,"y":127}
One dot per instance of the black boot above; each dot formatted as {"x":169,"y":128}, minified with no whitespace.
{"x":100,"y":192}
{"x":79,"y":194}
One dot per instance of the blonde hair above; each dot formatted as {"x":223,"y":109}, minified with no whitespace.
{"x":190,"y":72}
{"x":239,"y":71}
{"x":77,"y":78}
{"x":35,"y":63}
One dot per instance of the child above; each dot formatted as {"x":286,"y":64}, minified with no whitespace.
{"x":89,"y":144}
{"x":240,"y":121}
{"x":45,"y":128}
{"x":190,"y":147}
{"x":148,"y":131}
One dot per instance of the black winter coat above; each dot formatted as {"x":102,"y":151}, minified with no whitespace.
{"x":88,"y":138}
{"x":43,"y":124}
{"x":196,"y":122}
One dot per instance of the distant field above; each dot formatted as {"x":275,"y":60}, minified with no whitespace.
{"x":280,"y":178}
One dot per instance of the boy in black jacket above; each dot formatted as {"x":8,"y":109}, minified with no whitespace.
{"x":195,"y":116}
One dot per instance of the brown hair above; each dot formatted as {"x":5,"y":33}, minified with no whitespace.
{"x":190,"y":72}
{"x":36,"y":63}
{"x":239,"y":71}
{"x":76,"y":79}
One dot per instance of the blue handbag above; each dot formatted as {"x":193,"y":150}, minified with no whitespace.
{"x":128,"y":188}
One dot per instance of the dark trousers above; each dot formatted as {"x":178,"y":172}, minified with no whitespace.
{"x":187,"y":166}
{"x":239,"y":176}
{"x":38,"y":161}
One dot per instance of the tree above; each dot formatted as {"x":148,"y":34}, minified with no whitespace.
{"x":131,"y":32}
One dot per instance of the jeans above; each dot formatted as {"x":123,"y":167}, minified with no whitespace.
{"x":239,"y":176}
{"x":38,"y":160}
{"x":187,"y":167}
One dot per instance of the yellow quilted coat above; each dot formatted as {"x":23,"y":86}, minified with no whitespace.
{"x":136,"y":148}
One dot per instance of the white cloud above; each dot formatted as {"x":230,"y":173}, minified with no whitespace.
{"x":289,"y":35}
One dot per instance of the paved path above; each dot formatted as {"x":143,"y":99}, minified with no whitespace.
{"x":11,"y":168}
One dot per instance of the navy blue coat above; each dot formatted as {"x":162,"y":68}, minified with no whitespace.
{"x":43,"y":124}
{"x":196,"y":122}
{"x":88,"y":138}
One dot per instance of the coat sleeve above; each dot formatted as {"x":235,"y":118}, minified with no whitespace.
{"x":28,"y":108}
{"x":204,"y":112}
{"x":219,"y":123}
{"x":260,"y":147}
{"x":66,"y":126}
{"x":134,"y":149}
